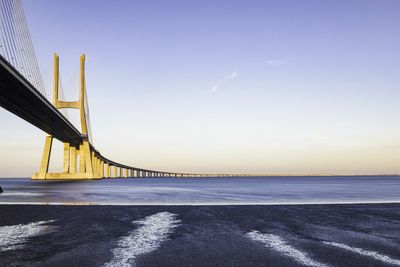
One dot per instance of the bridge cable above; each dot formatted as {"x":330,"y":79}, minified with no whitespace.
{"x":8,"y":38}
{"x":25,"y":67}
{"x":31,"y":49}
{"x":61,"y":96}
{"x":9,"y":35}
{"x":16,"y":43}
{"x":87,"y":116}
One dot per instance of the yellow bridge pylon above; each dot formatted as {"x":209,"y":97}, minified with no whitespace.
{"x":89,"y":165}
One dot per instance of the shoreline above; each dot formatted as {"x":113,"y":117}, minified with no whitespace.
{"x":186,"y":204}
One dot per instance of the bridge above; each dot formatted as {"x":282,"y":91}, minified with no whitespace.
{"x":22,"y":93}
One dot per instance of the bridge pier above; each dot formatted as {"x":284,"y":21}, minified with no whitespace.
{"x":108,"y":173}
{"x":69,"y":162}
{"x":114,"y":174}
{"x":88,"y":164}
{"x":73,"y":156}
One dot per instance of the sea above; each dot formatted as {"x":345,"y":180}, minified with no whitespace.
{"x":205,"y":191}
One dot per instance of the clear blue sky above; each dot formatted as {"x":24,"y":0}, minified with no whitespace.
{"x":231,"y":86}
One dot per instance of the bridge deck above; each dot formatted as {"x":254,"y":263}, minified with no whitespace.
{"x":19,"y":96}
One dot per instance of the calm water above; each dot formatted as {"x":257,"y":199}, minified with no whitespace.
{"x":197,"y":191}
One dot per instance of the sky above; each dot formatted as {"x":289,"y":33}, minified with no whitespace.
{"x":278,"y":87}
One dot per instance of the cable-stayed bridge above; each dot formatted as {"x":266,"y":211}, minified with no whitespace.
{"x":23,"y":93}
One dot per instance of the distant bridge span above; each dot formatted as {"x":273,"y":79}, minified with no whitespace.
{"x":81,"y":159}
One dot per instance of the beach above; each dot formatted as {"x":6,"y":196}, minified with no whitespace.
{"x":231,"y":235}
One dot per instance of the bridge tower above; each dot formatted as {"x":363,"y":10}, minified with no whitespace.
{"x":90,"y":165}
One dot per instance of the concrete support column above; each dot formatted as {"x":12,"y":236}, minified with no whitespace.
{"x":72,"y":168}
{"x":114,"y":172}
{"x":93,"y":158}
{"x":99,"y":170}
{"x":96,"y":166}
{"x":66,"y":157}
{"x":44,"y":164}
{"x":81,"y":159}
{"x":108,"y":173}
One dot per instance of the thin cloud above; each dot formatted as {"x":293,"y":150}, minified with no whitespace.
{"x":276,"y":62}
{"x":233,"y":75}
{"x":218,"y":85}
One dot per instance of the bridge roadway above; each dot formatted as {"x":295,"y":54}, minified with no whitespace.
{"x":21,"y":98}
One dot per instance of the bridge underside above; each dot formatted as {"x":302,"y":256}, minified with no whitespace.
{"x":18,"y":96}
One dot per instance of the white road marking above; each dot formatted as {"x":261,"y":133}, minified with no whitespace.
{"x":372,"y":254}
{"x":148,"y":237}
{"x":15,"y":236}
{"x":276,"y":243}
